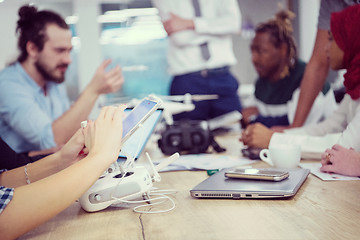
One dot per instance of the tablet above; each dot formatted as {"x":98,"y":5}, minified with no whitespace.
{"x":138,"y":115}
{"x":136,"y":143}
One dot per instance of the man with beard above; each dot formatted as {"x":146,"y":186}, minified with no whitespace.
{"x":34,"y":107}
{"x":274,"y":56}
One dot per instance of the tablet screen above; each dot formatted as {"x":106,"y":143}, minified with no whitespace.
{"x":135,"y":116}
{"x":137,"y":141}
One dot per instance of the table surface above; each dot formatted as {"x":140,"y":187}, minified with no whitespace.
{"x":320,"y":210}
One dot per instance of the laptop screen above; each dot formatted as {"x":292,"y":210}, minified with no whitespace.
{"x":136,"y":143}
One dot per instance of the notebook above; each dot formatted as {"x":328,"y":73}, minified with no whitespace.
{"x":219,"y":186}
{"x":136,"y":143}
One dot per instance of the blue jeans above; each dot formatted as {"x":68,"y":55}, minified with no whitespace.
{"x":218,"y":81}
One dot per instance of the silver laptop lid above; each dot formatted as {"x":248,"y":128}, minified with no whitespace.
{"x":219,"y":186}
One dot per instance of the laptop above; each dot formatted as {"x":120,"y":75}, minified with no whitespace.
{"x":136,"y":143}
{"x":219,"y":186}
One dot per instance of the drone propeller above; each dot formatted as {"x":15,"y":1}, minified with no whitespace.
{"x":187,"y":99}
{"x":114,"y":101}
{"x":188,"y":96}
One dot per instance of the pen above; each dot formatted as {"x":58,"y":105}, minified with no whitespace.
{"x":212,"y":171}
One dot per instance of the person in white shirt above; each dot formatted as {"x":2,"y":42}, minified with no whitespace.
{"x":339,"y":159}
{"x":201,"y":52}
{"x":317,"y":69}
{"x":343,"y":126}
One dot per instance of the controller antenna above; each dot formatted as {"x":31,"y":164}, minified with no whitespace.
{"x":155,"y":170}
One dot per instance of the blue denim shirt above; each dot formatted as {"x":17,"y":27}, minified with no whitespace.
{"x":26,"y":114}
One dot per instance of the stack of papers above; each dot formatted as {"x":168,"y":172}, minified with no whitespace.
{"x":315,"y":170}
{"x":205,"y":162}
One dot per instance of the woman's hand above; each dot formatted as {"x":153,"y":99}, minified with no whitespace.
{"x":105,"y":134}
{"x":256,"y":135}
{"x":44,"y":152}
{"x":73,"y":150}
{"x":247,"y":113}
{"x":341,"y":160}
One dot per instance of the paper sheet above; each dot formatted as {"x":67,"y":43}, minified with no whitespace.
{"x":315,"y":170}
{"x":206,"y":162}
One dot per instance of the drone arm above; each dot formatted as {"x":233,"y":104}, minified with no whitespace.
{"x":168,"y":118}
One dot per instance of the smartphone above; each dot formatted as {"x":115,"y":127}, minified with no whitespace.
{"x":138,"y":115}
{"x":257,"y":174}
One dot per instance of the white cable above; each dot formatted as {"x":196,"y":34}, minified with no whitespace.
{"x":124,"y":170}
{"x":155,"y":193}
{"x":141,"y":139}
{"x":164,"y":191}
{"x":130,"y":159}
{"x":153,"y":204}
{"x":129,"y":162}
{"x":120,"y":180}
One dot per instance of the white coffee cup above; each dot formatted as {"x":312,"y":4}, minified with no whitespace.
{"x":282,"y":155}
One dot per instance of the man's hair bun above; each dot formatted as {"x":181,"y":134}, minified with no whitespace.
{"x":31,"y":27}
{"x":27,"y":14}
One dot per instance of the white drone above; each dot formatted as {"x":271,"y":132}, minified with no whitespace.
{"x":182,"y":103}
{"x":173,"y":104}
